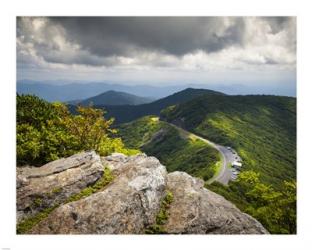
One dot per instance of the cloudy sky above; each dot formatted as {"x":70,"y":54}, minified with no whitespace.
{"x":259,"y":51}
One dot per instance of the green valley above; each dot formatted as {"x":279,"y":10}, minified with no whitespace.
{"x":175,"y":150}
{"x":262,"y":129}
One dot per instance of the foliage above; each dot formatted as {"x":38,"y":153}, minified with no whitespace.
{"x":262,"y":129}
{"x":162,"y":215}
{"x":48,"y":131}
{"x":175,"y":151}
{"x":127,"y":113}
{"x":275,"y":209}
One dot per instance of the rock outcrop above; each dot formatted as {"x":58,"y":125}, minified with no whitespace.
{"x":131,"y":203}
{"x":42,"y":187}
{"x":196,"y":210}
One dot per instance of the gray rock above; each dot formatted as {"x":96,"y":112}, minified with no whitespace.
{"x":131,"y":202}
{"x":127,"y":205}
{"x":53,"y":183}
{"x":196,"y":210}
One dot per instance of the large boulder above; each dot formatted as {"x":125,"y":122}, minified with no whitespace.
{"x":127,"y":205}
{"x":134,"y":202}
{"x":196,"y":210}
{"x":42,"y":187}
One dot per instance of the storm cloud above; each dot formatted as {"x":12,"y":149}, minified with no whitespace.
{"x":107,"y":45}
{"x":172,"y":35}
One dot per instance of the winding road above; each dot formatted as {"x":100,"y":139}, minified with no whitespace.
{"x":228,"y":156}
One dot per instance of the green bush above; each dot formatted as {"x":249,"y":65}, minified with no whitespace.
{"x":275,"y":209}
{"x":48,"y":131}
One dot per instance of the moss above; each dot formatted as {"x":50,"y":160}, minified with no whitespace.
{"x":106,"y":178}
{"x":162,"y":216}
{"x":56,"y":190}
{"x":27,"y":224}
{"x":37,"y":202}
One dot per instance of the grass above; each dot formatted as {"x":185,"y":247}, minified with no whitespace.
{"x":176,"y":150}
{"x":162,"y":216}
{"x":217,"y":168}
{"x":27,"y":224}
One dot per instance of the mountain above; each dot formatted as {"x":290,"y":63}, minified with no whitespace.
{"x":126,"y":113}
{"x":65,"y":91}
{"x":175,"y":150}
{"x":262,"y":129}
{"x":113,"y":98}
{"x":118,"y":194}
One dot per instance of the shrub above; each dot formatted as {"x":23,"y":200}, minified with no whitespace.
{"x":46,"y":132}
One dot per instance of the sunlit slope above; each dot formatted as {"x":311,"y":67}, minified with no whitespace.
{"x":174,"y":150}
{"x":261,"y":128}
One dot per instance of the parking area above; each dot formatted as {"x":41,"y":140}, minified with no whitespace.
{"x":236,"y":163}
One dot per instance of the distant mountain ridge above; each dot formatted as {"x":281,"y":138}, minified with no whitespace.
{"x":112,"y":97}
{"x":126,"y":113}
{"x":70,"y":90}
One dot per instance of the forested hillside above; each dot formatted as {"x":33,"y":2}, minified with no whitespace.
{"x":176,"y":152}
{"x":262,"y":129}
{"x":127,"y":113}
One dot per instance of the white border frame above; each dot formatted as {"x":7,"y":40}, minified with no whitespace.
{"x":10,"y":10}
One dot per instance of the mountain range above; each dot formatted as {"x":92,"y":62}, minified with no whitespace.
{"x":68,"y":90}
{"x":112,"y":97}
{"x":260,"y":128}
{"x":126,"y":113}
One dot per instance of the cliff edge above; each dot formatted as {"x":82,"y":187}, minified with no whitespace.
{"x":118,"y":194}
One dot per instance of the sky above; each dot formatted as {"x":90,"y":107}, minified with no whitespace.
{"x":256,"y":52}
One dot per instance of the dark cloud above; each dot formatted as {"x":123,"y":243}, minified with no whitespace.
{"x":185,"y":42}
{"x":107,"y":36}
{"x":277,"y":23}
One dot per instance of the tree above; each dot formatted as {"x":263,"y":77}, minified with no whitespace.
{"x":275,"y":209}
{"x":46,"y":131}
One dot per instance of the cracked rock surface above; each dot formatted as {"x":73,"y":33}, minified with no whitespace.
{"x":131,"y":202}
{"x":196,"y":210}
{"x":42,"y":187}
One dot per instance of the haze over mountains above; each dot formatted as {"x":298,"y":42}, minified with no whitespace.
{"x":112,"y":97}
{"x":68,"y":90}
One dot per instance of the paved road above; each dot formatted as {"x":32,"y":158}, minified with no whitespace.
{"x":228,"y":156}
